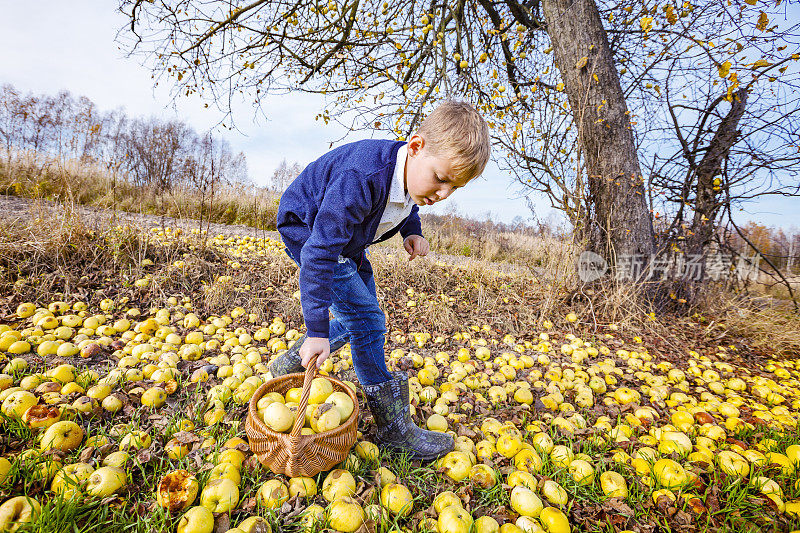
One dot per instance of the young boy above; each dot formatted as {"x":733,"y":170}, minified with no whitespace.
{"x":356,"y":195}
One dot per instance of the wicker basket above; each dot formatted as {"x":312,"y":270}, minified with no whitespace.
{"x":294,"y":454}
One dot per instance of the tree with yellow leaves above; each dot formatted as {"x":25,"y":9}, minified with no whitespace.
{"x":571,"y":88}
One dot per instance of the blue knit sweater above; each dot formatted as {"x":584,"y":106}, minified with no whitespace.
{"x":333,"y":209}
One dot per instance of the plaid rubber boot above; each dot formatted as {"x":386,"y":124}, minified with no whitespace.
{"x":289,"y":361}
{"x":389,"y":403}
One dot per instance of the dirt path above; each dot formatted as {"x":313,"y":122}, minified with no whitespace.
{"x":17,"y":209}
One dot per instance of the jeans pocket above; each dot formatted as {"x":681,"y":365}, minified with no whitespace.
{"x":344,"y":269}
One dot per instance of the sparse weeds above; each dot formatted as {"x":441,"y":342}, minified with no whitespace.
{"x":496,"y":497}
{"x":74,"y":515}
{"x":14,"y":428}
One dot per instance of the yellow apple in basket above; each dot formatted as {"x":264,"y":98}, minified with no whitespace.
{"x":268,"y":398}
{"x":278,"y":417}
{"x":321,"y":388}
{"x":325,"y":418}
{"x":293,"y":395}
{"x":342,"y":402}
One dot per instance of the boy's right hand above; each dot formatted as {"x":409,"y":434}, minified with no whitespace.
{"x":319,"y":346}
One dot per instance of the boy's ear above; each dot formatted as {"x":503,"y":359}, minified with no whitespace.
{"x":416,"y":144}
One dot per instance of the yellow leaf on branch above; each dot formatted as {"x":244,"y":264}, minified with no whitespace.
{"x":646,"y":23}
{"x":672,"y":17}
{"x":763,"y":20}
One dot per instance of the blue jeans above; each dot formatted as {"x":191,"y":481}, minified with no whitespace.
{"x":358,"y":319}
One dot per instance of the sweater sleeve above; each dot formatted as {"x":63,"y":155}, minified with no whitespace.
{"x":413,"y":225}
{"x":347,"y":201}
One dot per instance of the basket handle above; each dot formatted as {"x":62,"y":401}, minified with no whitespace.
{"x":294,"y":438}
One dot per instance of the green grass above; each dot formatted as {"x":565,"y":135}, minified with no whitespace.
{"x":73,"y":515}
{"x":493,"y":497}
{"x":14,"y":428}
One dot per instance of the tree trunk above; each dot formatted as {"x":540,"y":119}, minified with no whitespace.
{"x":619,"y":222}
{"x":706,"y":205}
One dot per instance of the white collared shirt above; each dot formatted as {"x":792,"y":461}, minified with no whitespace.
{"x":399,"y":203}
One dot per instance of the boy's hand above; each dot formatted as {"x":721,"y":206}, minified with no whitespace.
{"x":416,"y":245}
{"x":312,"y":346}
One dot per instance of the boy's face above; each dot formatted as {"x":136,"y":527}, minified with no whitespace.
{"x":429,"y":179}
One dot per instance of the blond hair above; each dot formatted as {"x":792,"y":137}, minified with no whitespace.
{"x":457,"y":131}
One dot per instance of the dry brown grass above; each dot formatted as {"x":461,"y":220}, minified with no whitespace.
{"x":455,"y":235}
{"x":63,"y":258}
{"x":482,"y":294}
{"x":33,"y":175}
{"x":535,"y":280}
{"x":770,"y":329}
{"x":773,"y":286}
{"x":48,"y":257}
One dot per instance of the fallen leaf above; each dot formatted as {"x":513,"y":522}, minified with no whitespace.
{"x":222,"y":523}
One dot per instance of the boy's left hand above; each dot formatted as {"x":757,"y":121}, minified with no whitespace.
{"x":416,"y":245}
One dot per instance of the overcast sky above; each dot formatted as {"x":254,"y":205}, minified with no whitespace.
{"x":49,"y":46}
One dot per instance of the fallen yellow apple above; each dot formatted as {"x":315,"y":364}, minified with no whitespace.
{"x":17,"y":511}
{"x":345,"y":514}
{"x":613,"y":484}
{"x":397,"y":499}
{"x":177,"y":490}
